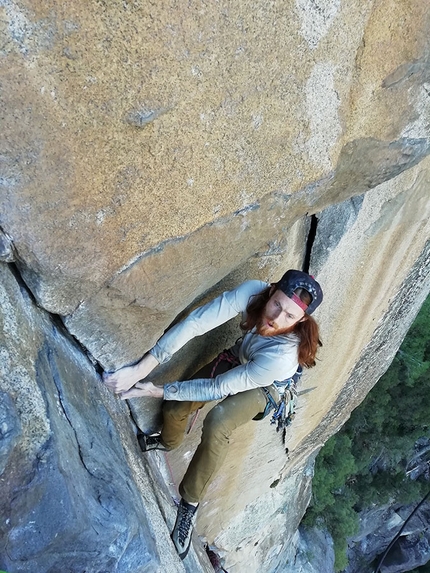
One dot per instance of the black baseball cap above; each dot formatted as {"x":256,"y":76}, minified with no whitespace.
{"x":293,"y":280}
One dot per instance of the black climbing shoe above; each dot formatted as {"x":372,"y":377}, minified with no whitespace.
{"x":151,"y":442}
{"x":181,"y":534}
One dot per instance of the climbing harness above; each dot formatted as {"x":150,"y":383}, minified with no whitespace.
{"x":225,"y":356}
{"x":284,"y":410}
{"x":271,"y":404}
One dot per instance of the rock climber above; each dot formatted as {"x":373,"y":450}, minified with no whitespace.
{"x":279,"y":335}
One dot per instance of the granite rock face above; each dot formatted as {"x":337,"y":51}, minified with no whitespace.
{"x":73,"y":499}
{"x":153,"y":150}
{"x":128,"y":315}
{"x":314,"y":551}
{"x":378,"y":527}
{"x":154,"y":156}
{"x":369,"y":305}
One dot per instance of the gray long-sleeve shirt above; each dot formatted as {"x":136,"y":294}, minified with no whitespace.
{"x":262,"y":359}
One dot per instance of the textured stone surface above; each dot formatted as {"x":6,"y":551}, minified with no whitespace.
{"x":157,"y":154}
{"x":333,"y":223}
{"x":375,"y":280}
{"x":6,"y":249}
{"x":125,"y":318}
{"x":73,"y":498}
{"x":378,"y":527}
{"x":144,"y":142}
{"x":379,"y":307}
{"x":315,"y":553}
{"x":134,"y":124}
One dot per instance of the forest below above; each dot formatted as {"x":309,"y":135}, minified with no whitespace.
{"x":382,"y":453}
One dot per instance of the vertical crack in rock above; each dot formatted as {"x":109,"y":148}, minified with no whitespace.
{"x":59,"y":325}
{"x":310,"y":242}
{"x":132,"y":416}
{"x":22,"y":284}
{"x":57,"y":322}
{"x":333,"y":223}
{"x":57,"y":381}
{"x":56,"y":319}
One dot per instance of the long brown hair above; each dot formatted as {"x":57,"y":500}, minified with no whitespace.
{"x":307,"y":330}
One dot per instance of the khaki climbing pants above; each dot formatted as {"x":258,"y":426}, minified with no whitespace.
{"x":226,"y":416}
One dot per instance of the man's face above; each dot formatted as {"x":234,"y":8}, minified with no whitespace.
{"x":279,"y":315}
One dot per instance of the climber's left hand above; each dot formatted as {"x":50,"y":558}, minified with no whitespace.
{"x":142,"y":389}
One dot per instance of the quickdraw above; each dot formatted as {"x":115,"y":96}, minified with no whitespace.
{"x":285,"y":409}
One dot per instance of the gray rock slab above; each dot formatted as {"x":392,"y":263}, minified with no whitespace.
{"x":70,"y":500}
{"x":378,"y":527}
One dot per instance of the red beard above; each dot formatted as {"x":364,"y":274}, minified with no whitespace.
{"x":263,"y":329}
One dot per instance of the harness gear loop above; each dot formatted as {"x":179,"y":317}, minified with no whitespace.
{"x":225,"y":356}
{"x":284,"y":411}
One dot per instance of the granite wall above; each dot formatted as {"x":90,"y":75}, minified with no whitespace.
{"x":154,"y":155}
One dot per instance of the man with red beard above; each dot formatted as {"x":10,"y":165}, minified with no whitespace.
{"x":279,"y":335}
